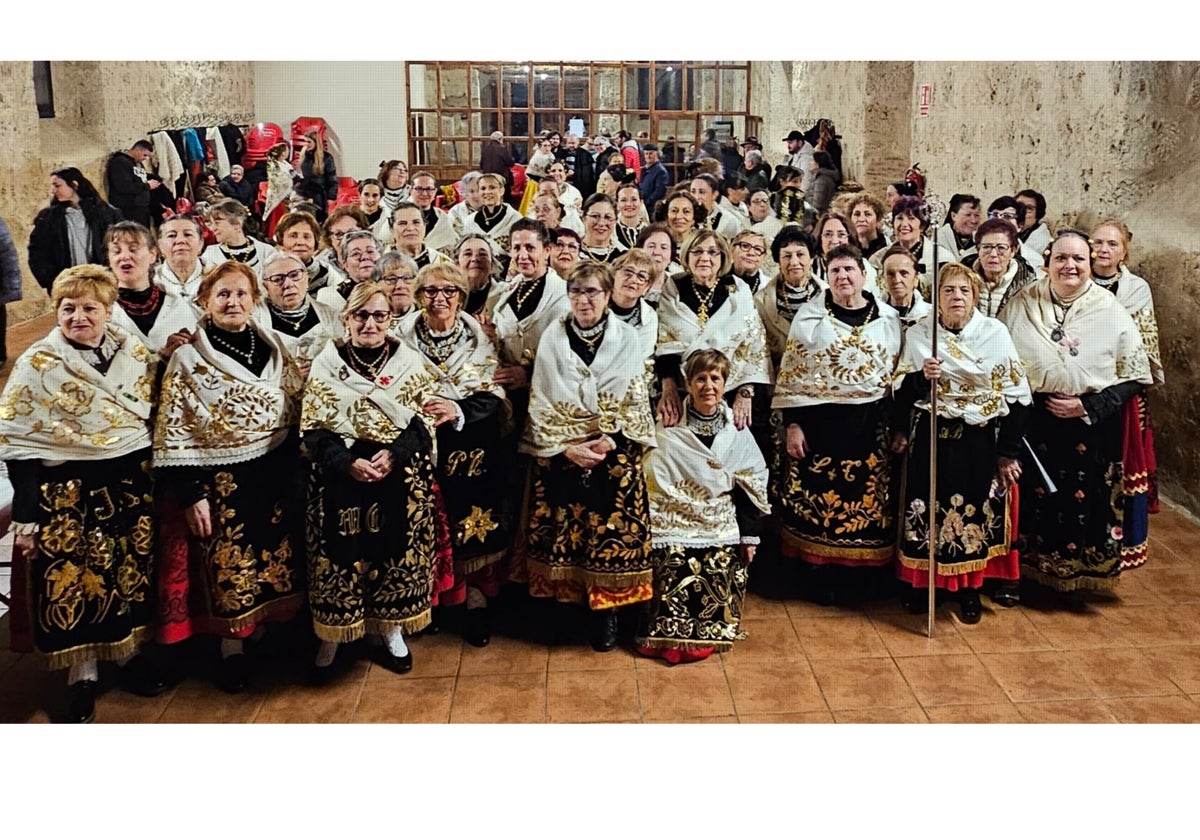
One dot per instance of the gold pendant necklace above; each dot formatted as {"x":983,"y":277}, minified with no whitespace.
{"x":705,"y":302}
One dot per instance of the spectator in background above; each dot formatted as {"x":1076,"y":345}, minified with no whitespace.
{"x":756,"y":170}
{"x":127,"y":183}
{"x":824,"y":181}
{"x":730,"y":157}
{"x":1034,"y":232}
{"x":317,"y":167}
{"x":497,"y":159}
{"x":799,"y":157}
{"x":235,"y":186}
{"x":655,"y":178}
{"x":71,"y":230}
{"x":631,"y":153}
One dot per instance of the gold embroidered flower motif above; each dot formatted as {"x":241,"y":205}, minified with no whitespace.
{"x":478,"y":524}
{"x":17,"y":401}
{"x":850,"y":361}
{"x":75,"y":399}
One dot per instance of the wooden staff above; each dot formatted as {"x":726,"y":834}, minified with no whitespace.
{"x":933,"y":440}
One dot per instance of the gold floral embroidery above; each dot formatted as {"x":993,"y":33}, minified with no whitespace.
{"x":478,"y":524}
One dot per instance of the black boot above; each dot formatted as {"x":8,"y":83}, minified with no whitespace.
{"x":604,"y":636}
{"x":81,"y":702}
{"x":478,"y":627}
{"x":140,"y":677}
{"x":234,"y":677}
{"x":969,"y":606}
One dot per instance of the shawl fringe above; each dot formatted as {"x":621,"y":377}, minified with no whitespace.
{"x":108,"y":651}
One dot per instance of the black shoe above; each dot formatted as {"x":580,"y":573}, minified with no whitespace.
{"x":139,"y":677}
{"x":81,"y":702}
{"x":434,"y":626}
{"x":1006,"y":595}
{"x":915,"y":601}
{"x":235,"y":674}
{"x":605,"y":638}
{"x":395,"y":664}
{"x":478,"y":627}
{"x":322,"y":674}
{"x":969,"y":606}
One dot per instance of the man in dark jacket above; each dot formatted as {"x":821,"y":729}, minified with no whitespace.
{"x":234,"y":185}
{"x":10,"y":283}
{"x":128,"y":184}
{"x":655,"y":179}
{"x":496,"y":158}
{"x":581,"y":168}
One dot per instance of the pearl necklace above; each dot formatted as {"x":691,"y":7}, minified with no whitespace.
{"x":248,"y":355}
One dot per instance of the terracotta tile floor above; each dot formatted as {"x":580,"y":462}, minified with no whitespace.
{"x":1131,"y":657}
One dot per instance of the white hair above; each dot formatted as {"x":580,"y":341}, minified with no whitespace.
{"x":497,"y":135}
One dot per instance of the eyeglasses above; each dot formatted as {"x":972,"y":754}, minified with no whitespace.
{"x":999,"y":214}
{"x":339,"y":236}
{"x":361,"y":316}
{"x":642,"y":276}
{"x":706,"y":252}
{"x":365,"y":252}
{"x":278,"y":279}
{"x":596,"y":218}
{"x":835,"y":234}
{"x":448,"y":292}
{"x":567,"y":246}
{"x":393,"y":279}
{"x":757,"y":250}
{"x":424,"y":189}
{"x":590,"y":294}
{"x":999,"y":250}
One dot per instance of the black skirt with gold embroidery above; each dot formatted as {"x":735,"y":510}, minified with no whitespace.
{"x":250,"y":569}
{"x":371,"y":548}
{"x":91,"y":593}
{"x":836,"y":504}
{"x":472,"y":469}
{"x":698,"y":595}
{"x":591,"y":526}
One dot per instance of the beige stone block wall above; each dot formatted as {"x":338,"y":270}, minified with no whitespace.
{"x":99,"y":107}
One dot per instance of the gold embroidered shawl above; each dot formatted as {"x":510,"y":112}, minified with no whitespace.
{"x":213,"y":411}
{"x":826,"y":361}
{"x":981,"y":373}
{"x":467,"y":370}
{"x":570,"y":402}
{"x":519,"y":339}
{"x":56,"y":406}
{"x":1106,"y":340}
{"x":340,"y":399}
{"x":735,"y":329}
{"x":690,"y":486}
{"x":1134,"y":294}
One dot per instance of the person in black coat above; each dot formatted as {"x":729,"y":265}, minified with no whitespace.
{"x":317,"y":167}
{"x":128,"y":185}
{"x":71,"y":230}
{"x":234,"y":185}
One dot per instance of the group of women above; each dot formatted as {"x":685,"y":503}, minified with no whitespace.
{"x":206,"y":449}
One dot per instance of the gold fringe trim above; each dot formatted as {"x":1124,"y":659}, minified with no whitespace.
{"x":343,"y":633}
{"x":466,"y":567}
{"x":263,"y":612}
{"x":950,"y":569}
{"x":415,"y":624}
{"x":682,"y":644}
{"x":339,"y":634}
{"x":107,"y":651}
{"x":607,"y":580}
{"x":798,"y":542}
{"x":1072,"y":585}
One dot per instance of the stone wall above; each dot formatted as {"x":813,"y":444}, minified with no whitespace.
{"x":99,"y":107}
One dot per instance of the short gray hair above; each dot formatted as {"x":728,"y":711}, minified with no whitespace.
{"x":497,"y":135}
{"x":278,"y":257}
{"x":754,"y":156}
{"x":394,"y":258}
{"x":355,"y":235}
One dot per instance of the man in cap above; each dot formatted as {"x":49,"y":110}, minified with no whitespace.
{"x":799,"y":156}
{"x":655,"y":178}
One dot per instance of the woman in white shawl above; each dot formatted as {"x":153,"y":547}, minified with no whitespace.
{"x":589,"y":425}
{"x":494,"y":218}
{"x":225,"y":440}
{"x":75,"y":436}
{"x":161,"y":319}
{"x":1084,"y":357}
{"x":900,"y":279}
{"x":794,"y":250}
{"x":469,"y":413}
{"x":983,"y":400}
{"x":1110,"y":250}
{"x":304,"y":325}
{"x":707,"y":483}
{"x":706,"y":308}
{"x":371,"y":519}
{"x":836,"y":506}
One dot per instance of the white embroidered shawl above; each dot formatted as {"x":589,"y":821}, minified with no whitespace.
{"x":735,"y":329}
{"x":339,"y":399}
{"x":213,"y":411}
{"x":166,"y":279}
{"x":305,"y":348}
{"x":176,"y":314}
{"x":826,"y":361}
{"x":56,"y":406}
{"x":981,"y":373}
{"x":1104,"y":336}
{"x":1134,"y":294}
{"x":498,"y":235}
{"x":519,"y":339}
{"x":690,"y":486}
{"x":571,"y":402}
{"x":469,"y":368}
{"x":775,"y":324}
